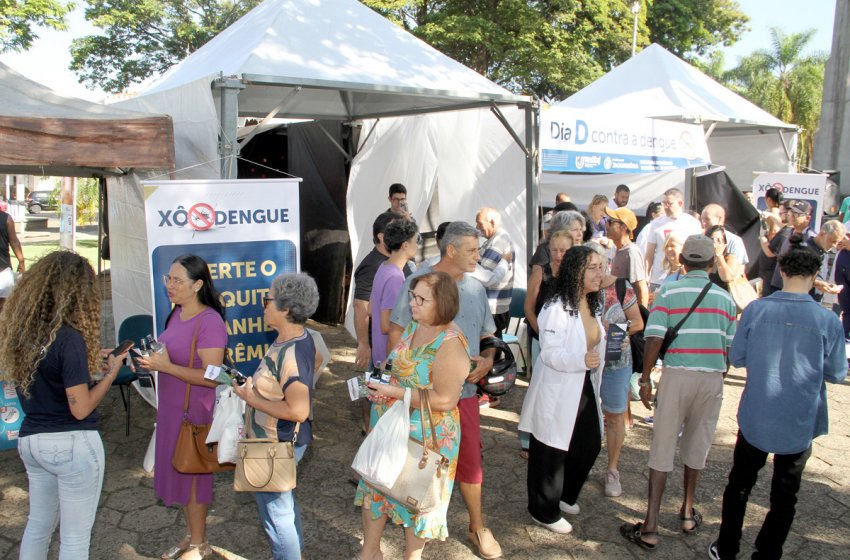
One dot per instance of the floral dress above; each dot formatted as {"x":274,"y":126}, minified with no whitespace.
{"x":412,"y":368}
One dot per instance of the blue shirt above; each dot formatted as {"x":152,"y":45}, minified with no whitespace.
{"x":790,"y":346}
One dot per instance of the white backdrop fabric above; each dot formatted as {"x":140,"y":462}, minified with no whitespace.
{"x":467,"y":157}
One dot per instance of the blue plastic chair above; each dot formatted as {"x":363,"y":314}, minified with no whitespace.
{"x":517,"y":312}
{"x":134,"y":328}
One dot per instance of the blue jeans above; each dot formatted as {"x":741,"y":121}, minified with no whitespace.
{"x":65,"y":471}
{"x":281,"y":519}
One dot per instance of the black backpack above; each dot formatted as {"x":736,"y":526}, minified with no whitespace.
{"x":636,"y":339}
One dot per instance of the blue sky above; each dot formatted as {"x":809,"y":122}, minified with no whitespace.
{"x":47,"y":62}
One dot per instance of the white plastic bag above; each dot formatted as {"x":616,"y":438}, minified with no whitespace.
{"x":382,"y":454}
{"x":227,"y":425}
{"x":228,"y":412}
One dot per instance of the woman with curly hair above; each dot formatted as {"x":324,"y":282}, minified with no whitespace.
{"x":49,"y":345}
{"x":194,"y":337}
{"x":561,"y":409}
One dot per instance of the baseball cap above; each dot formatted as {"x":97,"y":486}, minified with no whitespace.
{"x":698,"y":248}
{"x":624,"y":215}
{"x":800,"y":207}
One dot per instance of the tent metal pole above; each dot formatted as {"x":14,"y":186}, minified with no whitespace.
{"x":501,"y":116}
{"x":532,"y":195}
{"x":228,"y":144}
{"x":335,"y":144}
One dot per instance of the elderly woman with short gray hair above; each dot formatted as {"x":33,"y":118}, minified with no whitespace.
{"x":279,"y":398}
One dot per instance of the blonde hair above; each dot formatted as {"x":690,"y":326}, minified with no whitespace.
{"x":562,"y":233}
{"x":674,"y":237}
{"x":597,"y":199}
{"x":60,"y":289}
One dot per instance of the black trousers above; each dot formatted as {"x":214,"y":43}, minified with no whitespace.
{"x":556,"y":475}
{"x":502,"y":321}
{"x":747,"y":461}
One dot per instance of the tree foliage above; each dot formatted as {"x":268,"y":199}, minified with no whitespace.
{"x":551,"y":48}
{"x":145,"y":37}
{"x":785,"y":82}
{"x":18,"y":18}
{"x":695,"y":27}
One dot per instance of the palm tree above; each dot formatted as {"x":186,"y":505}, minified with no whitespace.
{"x":786,"y":83}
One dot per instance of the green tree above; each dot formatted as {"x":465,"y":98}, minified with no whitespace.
{"x":145,"y":37}
{"x":694,"y":27}
{"x":786,"y":82}
{"x":18,"y":18}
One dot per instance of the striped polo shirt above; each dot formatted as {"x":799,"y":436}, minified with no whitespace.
{"x":704,"y":339}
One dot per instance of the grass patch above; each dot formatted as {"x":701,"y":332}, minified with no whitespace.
{"x":34,"y":250}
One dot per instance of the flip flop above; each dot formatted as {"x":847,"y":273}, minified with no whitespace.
{"x":696,"y":518}
{"x":632,"y":532}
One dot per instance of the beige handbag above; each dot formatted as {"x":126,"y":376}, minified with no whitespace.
{"x":742,"y":292}
{"x":265,"y":465}
{"x":425,"y":474}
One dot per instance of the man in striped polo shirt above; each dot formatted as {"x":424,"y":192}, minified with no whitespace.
{"x":691,"y":391}
{"x":495,"y":270}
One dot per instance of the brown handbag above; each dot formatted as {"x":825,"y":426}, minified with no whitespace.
{"x":426,"y":472}
{"x":192,"y":453}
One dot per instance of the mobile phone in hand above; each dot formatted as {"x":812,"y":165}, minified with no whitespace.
{"x":121,"y":348}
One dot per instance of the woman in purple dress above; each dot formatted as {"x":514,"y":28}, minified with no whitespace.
{"x":196,"y":322}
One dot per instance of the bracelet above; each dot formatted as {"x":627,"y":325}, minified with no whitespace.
{"x":643,"y":383}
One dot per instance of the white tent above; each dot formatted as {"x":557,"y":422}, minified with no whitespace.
{"x":657,"y":84}
{"x":334,"y":59}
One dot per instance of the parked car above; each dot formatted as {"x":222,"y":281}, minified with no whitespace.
{"x":41,"y":200}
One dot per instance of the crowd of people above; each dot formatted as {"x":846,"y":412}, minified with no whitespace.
{"x":608,"y":305}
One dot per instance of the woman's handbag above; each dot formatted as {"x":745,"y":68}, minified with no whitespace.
{"x":742,"y":292}
{"x":265,"y":465}
{"x":426,"y":472}
{"x":192,"y":453}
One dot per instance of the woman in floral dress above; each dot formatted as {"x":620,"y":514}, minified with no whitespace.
{"x":432,"y":354}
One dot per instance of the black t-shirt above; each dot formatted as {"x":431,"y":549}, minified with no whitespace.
{"x":541,"y":255}
{"x":364,"y":275}
{"x":65,"y":365}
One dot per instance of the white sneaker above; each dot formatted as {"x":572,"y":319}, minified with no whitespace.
{"x":561,"y":526}
{"x":612,"y":484}
{"x":569,"y":509}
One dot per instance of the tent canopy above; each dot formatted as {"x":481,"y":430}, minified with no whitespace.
{"x":332,"y":59}
{"x":657,"y":83}
{"x":44,"y":133}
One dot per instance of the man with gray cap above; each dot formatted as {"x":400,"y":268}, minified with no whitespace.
{"x":700,"y":317}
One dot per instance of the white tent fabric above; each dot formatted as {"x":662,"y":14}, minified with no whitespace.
{"x":657,"y":84}
{"x":325,"y":46}
{"x":466,"y":158}
{"x":331,"y":59}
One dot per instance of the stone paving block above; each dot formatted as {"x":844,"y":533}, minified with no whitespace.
{"x":131,"y":499}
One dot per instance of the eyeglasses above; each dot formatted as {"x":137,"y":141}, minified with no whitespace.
{"x":420,"y":301}
{"x":166,"y":280}
{"x":266,"y":301}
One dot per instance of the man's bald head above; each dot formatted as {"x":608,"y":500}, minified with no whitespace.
{"x":713,"y":215}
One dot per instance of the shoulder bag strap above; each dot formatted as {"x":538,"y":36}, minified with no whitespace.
{"x":620,"y":286}
{"x":699,"y":299}
{"x":191,"y":364}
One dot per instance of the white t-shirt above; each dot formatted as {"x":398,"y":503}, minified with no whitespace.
{"x":662,"y":227}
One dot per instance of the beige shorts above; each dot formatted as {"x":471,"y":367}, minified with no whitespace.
{"x":692,"y":399}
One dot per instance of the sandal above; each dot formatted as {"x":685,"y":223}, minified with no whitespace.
{"x":198,"y":552}
{"x":633,"y":532}
{"x":695,"y":518}
{"x":177,"y":550}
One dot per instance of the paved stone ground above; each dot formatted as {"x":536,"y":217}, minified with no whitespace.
{"x":132,"y":524}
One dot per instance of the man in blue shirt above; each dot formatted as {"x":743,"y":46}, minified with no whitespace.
{"x":783,"y":406}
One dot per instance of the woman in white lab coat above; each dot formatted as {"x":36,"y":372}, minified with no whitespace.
{"x":561,"y":409}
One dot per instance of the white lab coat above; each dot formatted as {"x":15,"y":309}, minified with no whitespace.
{"x":551,"y":403}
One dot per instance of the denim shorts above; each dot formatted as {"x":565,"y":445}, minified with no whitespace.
{"x":615,"y":390}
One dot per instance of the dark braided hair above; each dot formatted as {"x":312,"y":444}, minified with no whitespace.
{"x":569,"y":283}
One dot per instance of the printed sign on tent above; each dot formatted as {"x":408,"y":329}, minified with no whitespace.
{"x":248,"y":231}
{"x":581,"y":141}
{"x":794,"y":186}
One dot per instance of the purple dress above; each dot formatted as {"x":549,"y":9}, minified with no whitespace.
{"x":171,"y":486}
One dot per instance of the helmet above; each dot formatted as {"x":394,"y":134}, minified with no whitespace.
{"x":503,"y":374}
